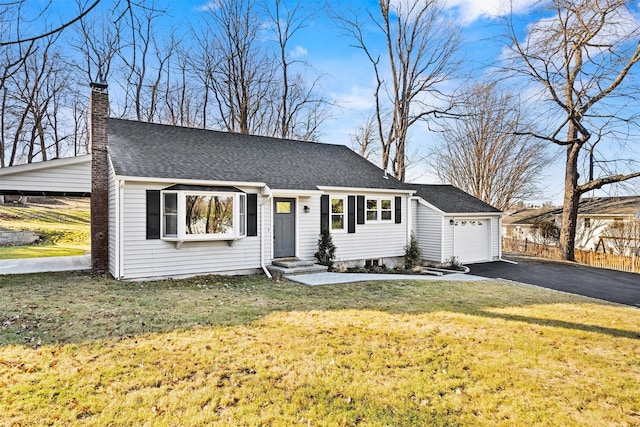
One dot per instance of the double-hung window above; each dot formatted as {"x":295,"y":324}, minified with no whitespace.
{"x":379,"y":210}
{"x":170,"y":214}
{"x":337,"y":213}
{"x":194,"y":213}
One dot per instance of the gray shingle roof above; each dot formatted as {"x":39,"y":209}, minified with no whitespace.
{"x":450,"y":199}
{"x":159,"y":151}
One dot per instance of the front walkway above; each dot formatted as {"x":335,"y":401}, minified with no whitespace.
{"x":45,"y":265}
{"x":315,"y":279}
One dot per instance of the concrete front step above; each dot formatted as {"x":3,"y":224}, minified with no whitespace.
{"x":292,"y":263}
{"x":305,"y":269}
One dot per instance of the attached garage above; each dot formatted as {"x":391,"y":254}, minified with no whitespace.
{"x":472,"y":239}
{"x":448,"y":222}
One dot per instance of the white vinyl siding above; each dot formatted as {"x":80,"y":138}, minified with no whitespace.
{"x":372,"y":240}
{"x":144,"y":258}
{"x":427,"y":225}
{"x":113,"y":227}
{"x":496,"y":239}
{"x":61,"y":175}
{"x":308,"y":227}
{"x":447,"y":238}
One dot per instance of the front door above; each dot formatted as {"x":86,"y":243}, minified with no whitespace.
{"x":284,"y":227}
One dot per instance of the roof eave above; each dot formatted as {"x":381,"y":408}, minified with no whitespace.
{"x":365,"y":190}
{"x":47,"y":164}
{"x":129,"y":178}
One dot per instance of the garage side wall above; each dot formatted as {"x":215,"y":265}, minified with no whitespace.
{"x":496,"y":240}
{"x":427,"y":227}
{"x":113,"y":226}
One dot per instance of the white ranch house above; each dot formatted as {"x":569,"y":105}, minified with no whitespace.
{"x":170,"y":201}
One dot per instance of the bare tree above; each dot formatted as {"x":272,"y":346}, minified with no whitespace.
{"x":420,"y":46}
{"x":239,"y":71}
{"x":545,"y":232}
{"x":300,"y":108}
{"x":185,"y":102}
{"x":33,"y":97}
{"x":139,"y":44}
{"x":581,"y":57}
{"x":21,"y":39}
{"x":97,"y":39}
{"x":364,"y":140}
{"x":481,"y":153}
{"x":244,"y":60}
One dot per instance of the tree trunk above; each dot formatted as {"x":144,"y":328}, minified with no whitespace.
{"x":570,"y":205}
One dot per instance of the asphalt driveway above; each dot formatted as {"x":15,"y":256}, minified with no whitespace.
{"x":608,"y":285}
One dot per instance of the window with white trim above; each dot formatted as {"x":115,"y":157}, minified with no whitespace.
{"x":203,"y":215}
{"x":337,"y":211}
{"x":170,"y":214}
{"x":379,"y":210}
{"x":372,"y":209}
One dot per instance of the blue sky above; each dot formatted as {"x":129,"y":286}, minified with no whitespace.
{"x":348,"y":75}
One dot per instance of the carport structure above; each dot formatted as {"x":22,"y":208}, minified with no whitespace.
{"x":68,"y":177}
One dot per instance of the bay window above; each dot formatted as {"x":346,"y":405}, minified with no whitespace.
{"x":190,"y":214}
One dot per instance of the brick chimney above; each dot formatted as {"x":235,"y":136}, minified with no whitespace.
{"x":99,"y":106}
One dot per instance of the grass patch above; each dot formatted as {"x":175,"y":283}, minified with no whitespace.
{"x":65,"y":230}
{"x":77,"y":349}
{"x":37,"y":251}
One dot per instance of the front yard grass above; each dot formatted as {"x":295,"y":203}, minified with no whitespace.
{"x":82,"y":350}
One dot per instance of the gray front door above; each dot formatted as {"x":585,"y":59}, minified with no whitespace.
{"x":284,"y":228}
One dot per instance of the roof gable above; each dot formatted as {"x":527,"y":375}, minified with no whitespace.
{"x":140,"y":149}
{"x":450,"y":199}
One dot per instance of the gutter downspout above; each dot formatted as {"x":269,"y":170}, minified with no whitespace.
{"x":266,"y":191}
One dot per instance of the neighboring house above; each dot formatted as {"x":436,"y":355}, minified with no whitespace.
{"x":449,"y":222}
{"x":521,"y":225}
{"x":171,"y":201}
{"x":595,"y":216}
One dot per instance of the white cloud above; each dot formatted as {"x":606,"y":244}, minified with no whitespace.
{"x":298,"y":52}
{"x":209,"y":6}
{"x":472,"y":10}
{"x":358,"y":98}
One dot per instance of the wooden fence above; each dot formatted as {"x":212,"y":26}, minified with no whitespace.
{"x":594,"y":259}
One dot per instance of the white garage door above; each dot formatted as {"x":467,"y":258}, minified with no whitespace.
{"x":471,"y":240}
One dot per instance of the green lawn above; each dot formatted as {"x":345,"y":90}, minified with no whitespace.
{"x":64,"y":228}
{"x":84,"y":350}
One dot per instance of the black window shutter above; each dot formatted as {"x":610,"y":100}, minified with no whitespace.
{"x":252,"y":214}
{"x":351,"y":214}
{"x":360,"y":210}
{"x":398,"y":203}
{"x":324,"y":213}
{"x":153,"y":214}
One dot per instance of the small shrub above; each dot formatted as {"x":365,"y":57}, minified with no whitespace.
{"x":454,"y":263}
{"x":412,"y":254}
{"x":326,"y":253}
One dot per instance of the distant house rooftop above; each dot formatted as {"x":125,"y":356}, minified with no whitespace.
{"x":627,"y":206}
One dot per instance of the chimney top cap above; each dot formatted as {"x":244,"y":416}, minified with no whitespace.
{"x":98,"y":86}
